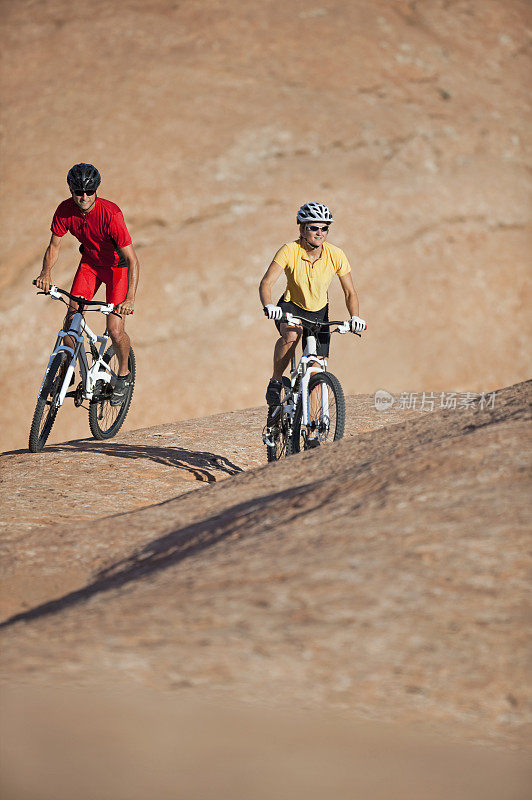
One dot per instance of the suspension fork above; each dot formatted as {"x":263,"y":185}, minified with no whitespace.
{"x":59,"y":347}
{"x":305,"y":380}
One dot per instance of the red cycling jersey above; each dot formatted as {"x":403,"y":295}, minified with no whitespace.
{"x":100,"y":231}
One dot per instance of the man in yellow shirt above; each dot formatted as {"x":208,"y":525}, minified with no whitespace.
{"x":310,"y":264}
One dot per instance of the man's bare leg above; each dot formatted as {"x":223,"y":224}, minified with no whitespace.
{"x":72,"y":308}
{"x":121,"y":342}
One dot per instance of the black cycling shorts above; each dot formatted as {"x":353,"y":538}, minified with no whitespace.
{"x":323,"y":338}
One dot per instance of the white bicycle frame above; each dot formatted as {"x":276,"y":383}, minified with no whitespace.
{"x":78,"y":330}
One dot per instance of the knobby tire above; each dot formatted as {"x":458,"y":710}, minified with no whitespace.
{"x":328,"y":429}
{"x":106,"y":420}
{"x":45,"y":409}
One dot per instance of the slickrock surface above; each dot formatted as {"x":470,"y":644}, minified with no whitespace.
{"x":83,"y":480}
{"x":384,"y":575}
{"x":94,"y":478}
{"x":211,"y":123}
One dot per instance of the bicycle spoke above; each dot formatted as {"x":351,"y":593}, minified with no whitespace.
{"x":322,"y":415}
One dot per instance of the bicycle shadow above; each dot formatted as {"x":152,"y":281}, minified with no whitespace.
{"x":238,"y":521}
{"x":202,"y":464}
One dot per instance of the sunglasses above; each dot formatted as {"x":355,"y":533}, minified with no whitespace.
{"x":80,"y":193}
{"x":315,"y":228}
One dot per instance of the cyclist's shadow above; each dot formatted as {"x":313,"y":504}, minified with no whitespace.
{"x":203,"y":465}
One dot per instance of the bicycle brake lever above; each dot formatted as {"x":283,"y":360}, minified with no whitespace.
{"x":41,"y":291}
{"x":122,"y":315}
{"x":343,"y":328}
{"x":290,"y":319}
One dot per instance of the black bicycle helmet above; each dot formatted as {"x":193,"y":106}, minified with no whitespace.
{"x":83,"y":178}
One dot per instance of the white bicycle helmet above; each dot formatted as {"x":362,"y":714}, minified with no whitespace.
{"x":314,"y":212}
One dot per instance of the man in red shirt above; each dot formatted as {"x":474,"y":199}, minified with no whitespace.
{"x":107,"y":257}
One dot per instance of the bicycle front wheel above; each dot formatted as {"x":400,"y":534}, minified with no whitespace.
{"x":326,"y":413}
{"x":106,"y":420}
{"x":46,"y":408}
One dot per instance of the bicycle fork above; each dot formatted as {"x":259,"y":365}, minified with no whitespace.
{"x":305,"y":396}
{"x":60,"y":348}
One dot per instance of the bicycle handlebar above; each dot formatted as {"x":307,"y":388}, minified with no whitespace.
{"x":344,"y":326}
{"x":55,"y":292}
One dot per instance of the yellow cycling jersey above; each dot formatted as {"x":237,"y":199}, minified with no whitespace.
{"x":307,"y":283}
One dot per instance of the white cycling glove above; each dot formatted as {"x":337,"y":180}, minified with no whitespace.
{"x":357,"y":324}
{"x":273,"y":312}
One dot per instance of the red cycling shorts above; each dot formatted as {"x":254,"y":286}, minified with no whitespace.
{"x":88,"y":280}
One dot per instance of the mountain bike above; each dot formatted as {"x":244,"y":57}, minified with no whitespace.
{"x":98,"y":370}
{"x":312,"y":400}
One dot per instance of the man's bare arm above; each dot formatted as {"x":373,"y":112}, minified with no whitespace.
{"x":44,"y":281}
{"x":133,"y":271}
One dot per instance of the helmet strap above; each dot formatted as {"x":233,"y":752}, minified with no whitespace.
{"x":313,"y":246}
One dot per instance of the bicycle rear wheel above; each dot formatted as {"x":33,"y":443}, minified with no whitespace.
{"x":106,"y":420}
{"x":326,"y":413}
{"x":278,"y":428}
{"x":46,"y":408}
